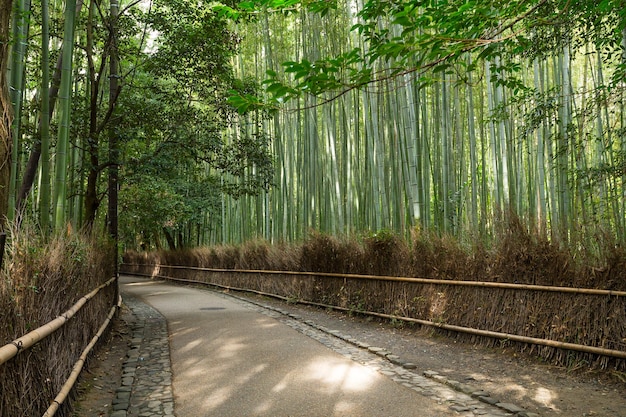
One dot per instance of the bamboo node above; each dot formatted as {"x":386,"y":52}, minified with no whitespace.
{"x":18,"y":344}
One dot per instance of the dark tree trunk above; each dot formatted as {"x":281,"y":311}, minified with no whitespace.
{"x":113,"y":186}
{"x":170,"y":239}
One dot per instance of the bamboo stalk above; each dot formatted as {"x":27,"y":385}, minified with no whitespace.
{"x":65,"y":109}
{"x":21,"y":28}
{"x":10,"y":350}
{"x":531,"y":287}
{"x":78,"y":366}
{"x":44,"y":205}
{"x":468,"y":330}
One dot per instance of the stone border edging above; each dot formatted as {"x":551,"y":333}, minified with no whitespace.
{"x":146,"y":387}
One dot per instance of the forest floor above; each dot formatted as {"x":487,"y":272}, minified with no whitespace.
{"x":506,"y":374}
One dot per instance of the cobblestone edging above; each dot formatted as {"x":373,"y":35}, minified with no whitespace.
{"x":146,"y":389}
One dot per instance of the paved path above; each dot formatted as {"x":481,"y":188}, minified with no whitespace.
{"x":233,"y":358}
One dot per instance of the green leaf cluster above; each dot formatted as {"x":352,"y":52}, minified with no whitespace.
{"x":432,"y":37}
{"x":179,"y":159}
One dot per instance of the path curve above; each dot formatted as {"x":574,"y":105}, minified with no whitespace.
{"x":233,"y":358}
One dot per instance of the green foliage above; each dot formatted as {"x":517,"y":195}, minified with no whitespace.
{"x":153,"y":204}
{"x":425,"y":35}
{"x":178,"y":158}
{"x":178,"y":164}
{"x":193,"y":49}
{"x":251,"y":7}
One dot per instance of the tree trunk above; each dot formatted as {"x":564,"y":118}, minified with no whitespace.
{"x":92,"y":202}
{"x":113,"y":182}
{"x":170,"y":239}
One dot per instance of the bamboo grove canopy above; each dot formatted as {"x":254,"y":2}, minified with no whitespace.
{"x":227,"y":121}
{"x":437,"y":114}
{"x":135,"y":91}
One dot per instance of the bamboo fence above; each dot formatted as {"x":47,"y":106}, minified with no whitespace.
{"x":10,"y":350}
{"x":157,"y":271}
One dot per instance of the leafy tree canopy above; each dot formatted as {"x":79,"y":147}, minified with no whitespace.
{"x":424,"y":38}
{"x":178,"y":161}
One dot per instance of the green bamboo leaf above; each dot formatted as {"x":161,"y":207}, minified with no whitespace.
{"x":467,"y":6}
{"x":247,"y":5}
{"x":403,"y":21}
{"x":226,"y":12}
{"x":441,"y":68}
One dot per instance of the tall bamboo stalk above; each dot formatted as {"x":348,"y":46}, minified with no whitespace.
{"x":21,"y":27}
{"x":65,"y":97}
{"x":44,"y":204}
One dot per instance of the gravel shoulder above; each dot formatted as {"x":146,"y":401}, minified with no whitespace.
{"x":507,"y":375}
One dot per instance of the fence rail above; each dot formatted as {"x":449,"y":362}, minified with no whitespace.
{"x":482,"y":284}
{"x":78,"y":366}
{"x":28,"y":340}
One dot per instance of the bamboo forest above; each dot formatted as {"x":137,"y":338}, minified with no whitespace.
{"x":225,"y":122}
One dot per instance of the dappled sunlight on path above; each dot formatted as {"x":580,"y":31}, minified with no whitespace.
{"x":255,"y":367}
{"x":228,"y":360}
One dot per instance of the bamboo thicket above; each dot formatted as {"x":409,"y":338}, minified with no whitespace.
{"x":537,"y":135}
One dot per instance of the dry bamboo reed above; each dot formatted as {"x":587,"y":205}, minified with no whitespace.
{"x":8,"y":351}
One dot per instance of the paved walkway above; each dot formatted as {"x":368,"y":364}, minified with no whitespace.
{"x":233,"y":358}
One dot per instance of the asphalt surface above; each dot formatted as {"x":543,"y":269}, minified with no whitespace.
{"x":230,"y":360}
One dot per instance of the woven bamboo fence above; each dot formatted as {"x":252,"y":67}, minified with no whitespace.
{"x":18,"y":347}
